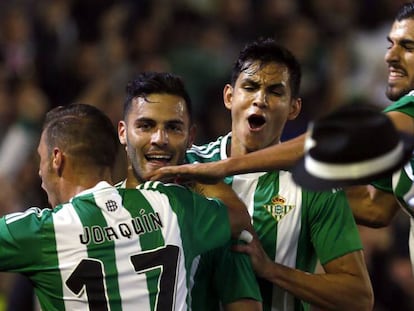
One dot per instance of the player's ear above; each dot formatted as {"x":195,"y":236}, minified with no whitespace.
{"x":228,"y":96}
{"x":58,"y":161}
{"x":192,"y":135}
{"x":295,"y":108}
{"x":122,"y":132}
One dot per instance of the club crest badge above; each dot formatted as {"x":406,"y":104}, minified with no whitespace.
{"x":278,"y":207}
{"x":111,"y":206}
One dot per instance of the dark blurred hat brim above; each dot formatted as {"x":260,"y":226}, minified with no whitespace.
{"x":308,"y":181}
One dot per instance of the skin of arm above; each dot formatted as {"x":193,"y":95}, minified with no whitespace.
{"x":243,"y":305}
{"x":373,"y":207}
{"x":238,"y":214}
{"x":239,"y":219}
{"x":344,"y":280}
{"x":278,"y":156}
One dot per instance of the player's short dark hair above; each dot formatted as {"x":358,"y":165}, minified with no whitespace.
{"x":147,"y":83}
{"x":265,"y":51}
{"x":84,"y":132}
{"x":405,"y":12}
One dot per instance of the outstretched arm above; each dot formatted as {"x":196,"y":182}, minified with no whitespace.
{"x":283,"y":155}
{"x":278,"y":156}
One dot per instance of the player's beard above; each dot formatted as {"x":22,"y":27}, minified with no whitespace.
{"x":395,"y":94}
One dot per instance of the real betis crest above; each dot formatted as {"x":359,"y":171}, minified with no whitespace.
{"x":278,"y":207}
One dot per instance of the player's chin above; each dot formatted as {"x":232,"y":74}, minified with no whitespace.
{"x":396,"y":91}
{"x":155,"y":165}
{"x":156,"y":171}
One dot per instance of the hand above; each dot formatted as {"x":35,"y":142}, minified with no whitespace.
{"x":260,"y":261}
{"x":207,"y":173}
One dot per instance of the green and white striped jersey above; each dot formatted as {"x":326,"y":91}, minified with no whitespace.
{"x":220,"y":276}
{"x":114,"y":249}
{"x":296,"y":227}
{"x":402,"y":181}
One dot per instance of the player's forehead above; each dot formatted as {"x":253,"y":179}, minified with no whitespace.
{"x":42,"y":147}
{"x":160,"y":107}
{"x":271,"y":73}
{"x":402,"y":30}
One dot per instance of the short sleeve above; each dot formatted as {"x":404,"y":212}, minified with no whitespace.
{"x":333,"y":229}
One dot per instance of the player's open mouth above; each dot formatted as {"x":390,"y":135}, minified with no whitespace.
{"x":256,"y":122}
{"x":163,"y":158}
{"x":395,"y":73}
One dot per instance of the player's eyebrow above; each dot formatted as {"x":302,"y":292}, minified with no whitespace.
{"x":403,"y":41}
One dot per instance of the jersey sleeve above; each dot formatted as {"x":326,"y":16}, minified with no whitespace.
{"x":384,"y":184}
{"x":234,"y":276}
{"x":332,"y":225}
{"x":204,"y":220}
{"x":210,"y":221}
{"x":19,"y":240}
{"x":404,"y":105}
{"x":209,"y":152}
{"x":223,"y":276}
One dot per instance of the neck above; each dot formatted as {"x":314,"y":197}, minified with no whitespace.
{"x":237,"y":147}
{"x":131,"y":180}
{"x":76,"y":182}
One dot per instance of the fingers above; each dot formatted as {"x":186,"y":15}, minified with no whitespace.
{"x":241,"y":248}
{"x":163,"y":174}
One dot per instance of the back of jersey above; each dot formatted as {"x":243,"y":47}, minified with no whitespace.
{"x":118,"y":249}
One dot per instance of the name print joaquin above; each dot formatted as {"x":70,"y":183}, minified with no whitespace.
{"x":147,"y":222}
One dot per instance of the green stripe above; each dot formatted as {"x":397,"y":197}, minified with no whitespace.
{"x":266,"y":226}
{"x":89,"y":217}
{"x":150,"y":240}
{"x":48,"y":247}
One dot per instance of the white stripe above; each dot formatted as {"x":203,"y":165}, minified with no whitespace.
{"x":205,"y":150}
{"x":353,"y":170}
{"x":132,"y":287}
{"x":203,"y":154}
{"x":19,"y":215}
{"x":70,"y":251}
{"x":288,"y":229}
{"x":172,"y":236}
{"x":148,"y":185}
{"x":245,"y":186}
{"x":405,"y":199}
{"x":194,"y":268}
{"x":409,"y":171}
{"x":411,"y":242}
{"x":223,"y":146}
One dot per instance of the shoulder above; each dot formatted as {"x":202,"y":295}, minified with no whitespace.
{"x":174,"y":192}
{"x":33,"y":213}
{"x":179,"y":195}
{"x":27,"y":223}
{"x":405,"y":104}
{"x":162,"y":187}
{"x":212,"y":151}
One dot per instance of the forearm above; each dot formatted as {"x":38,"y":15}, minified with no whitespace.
{"x":371,"y":207}
{"x":330,"y":291}
{"x":283,"y":155}
{"x":244,"y":305}
{"x":238,"y":214}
